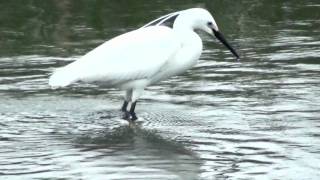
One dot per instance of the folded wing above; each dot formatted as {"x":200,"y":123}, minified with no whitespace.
{"x":138,"y":54}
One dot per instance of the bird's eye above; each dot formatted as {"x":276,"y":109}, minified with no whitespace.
{"x":209,"y":23}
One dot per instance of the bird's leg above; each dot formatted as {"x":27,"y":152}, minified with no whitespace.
{"x":126,"y":114}
{"x":131,"y":112}
{"x":136,"y":93}
{"x":124,"y":106}
{"x":127,"y":99}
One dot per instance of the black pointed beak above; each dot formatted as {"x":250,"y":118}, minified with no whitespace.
{"x":221,"y":38}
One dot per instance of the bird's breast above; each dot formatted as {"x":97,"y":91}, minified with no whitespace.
{"x":185,"y":58}
{"x":189,"y":53}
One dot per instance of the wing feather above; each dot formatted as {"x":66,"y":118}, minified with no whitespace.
{"x":138,"y":54}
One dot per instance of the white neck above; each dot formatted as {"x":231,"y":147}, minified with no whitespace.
{"x":184,"y":22}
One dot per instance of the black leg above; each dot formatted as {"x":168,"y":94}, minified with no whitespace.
{"x":132,"y":113}
{"x":126,"y":114}
{"x":124,"y":106}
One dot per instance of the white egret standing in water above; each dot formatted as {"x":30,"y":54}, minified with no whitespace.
{"x":142,"y":57}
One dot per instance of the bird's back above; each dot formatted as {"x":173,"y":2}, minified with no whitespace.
{"x":134,"y":55}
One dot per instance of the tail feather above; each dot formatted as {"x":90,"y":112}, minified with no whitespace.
{"x":62,"y":77}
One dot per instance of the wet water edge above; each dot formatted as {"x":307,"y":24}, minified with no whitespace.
{"x":251,"y":119}
{"x":209,"y":144}
{"x":204,"y":140}
{"x":121,"y":146}
{"x":260,"y":98}
{"x":259,"y":110}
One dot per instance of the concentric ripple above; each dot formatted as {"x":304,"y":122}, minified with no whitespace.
{"x":253,"y":119}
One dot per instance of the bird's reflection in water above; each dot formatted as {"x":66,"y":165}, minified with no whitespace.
{"x":138,"y":149}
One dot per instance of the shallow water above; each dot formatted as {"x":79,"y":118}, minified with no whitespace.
{"x":257,"y":119}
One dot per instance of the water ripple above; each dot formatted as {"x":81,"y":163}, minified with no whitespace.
{"x":253,"y":119}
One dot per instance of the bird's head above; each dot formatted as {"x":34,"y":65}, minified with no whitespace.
{"x":195,"y":19}
{"x":201,"y":19}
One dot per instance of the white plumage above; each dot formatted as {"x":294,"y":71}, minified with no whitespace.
{"x":142,"y":57}
{"x":136,"y":55}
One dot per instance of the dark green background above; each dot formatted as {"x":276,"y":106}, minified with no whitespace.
{"x":257,"y":119}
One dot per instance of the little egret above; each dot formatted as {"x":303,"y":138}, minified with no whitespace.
{"x":142,"y":57}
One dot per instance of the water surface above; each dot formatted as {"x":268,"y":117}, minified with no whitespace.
{"x":257,"y":119}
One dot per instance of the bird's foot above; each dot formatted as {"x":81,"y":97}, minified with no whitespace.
{"x":125,"y":115}
{"x":133,"y":117}
{"x":129,"y":116}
